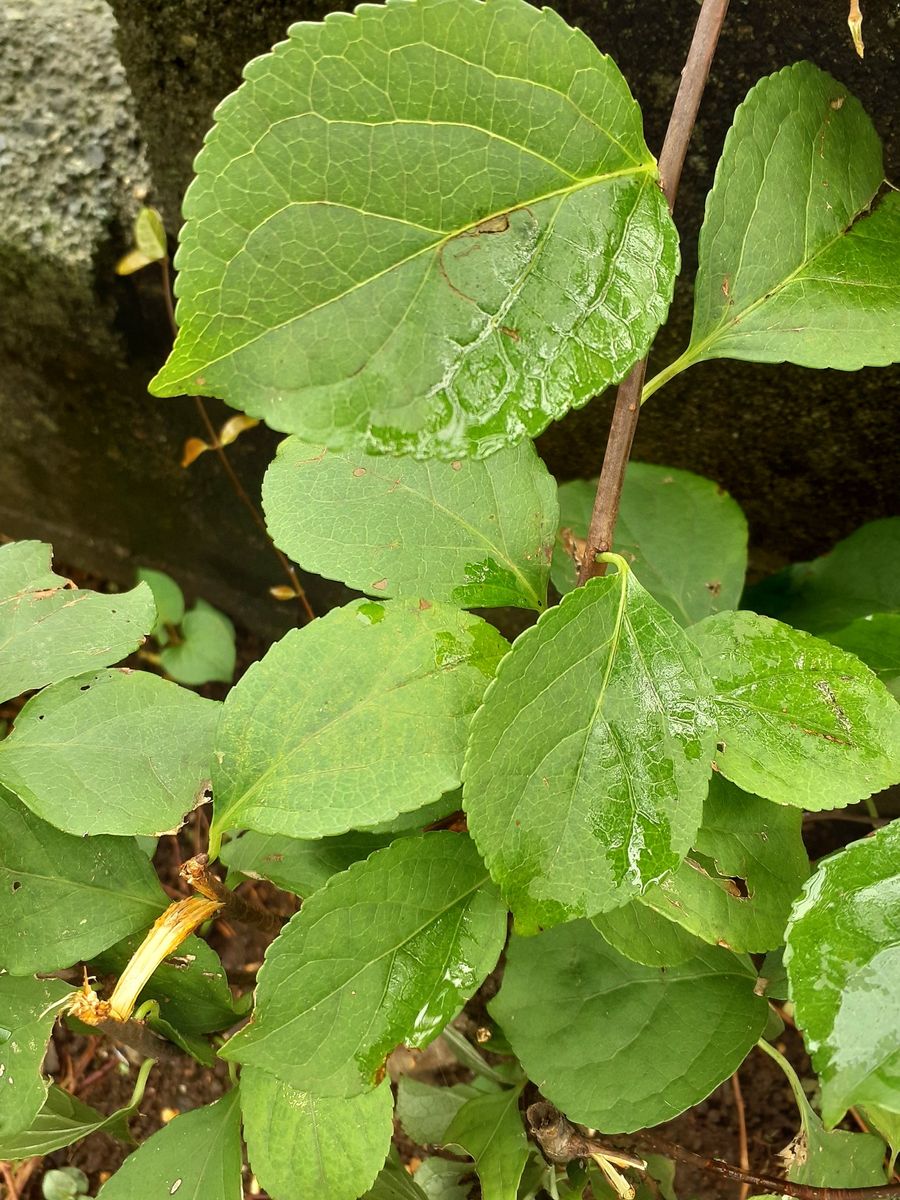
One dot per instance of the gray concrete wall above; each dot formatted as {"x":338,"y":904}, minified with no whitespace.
{"x":105,"y":104}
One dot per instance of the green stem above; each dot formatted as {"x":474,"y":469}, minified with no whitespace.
{"x":667,"y":373}
{"x":872,"y":810}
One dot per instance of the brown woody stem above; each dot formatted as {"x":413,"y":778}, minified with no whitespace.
{"x":628,"y":398}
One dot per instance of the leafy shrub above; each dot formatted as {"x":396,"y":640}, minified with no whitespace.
{"x":429,"y":229}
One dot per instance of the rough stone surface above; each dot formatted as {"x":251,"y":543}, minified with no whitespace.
{"x":90,"y":459}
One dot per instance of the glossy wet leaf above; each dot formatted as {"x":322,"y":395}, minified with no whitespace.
{"x":197,"y":1156}
{"x":746,"y":868}
{"x":121,"y":752}
{"x":683,"y":536}
{"x":792,"y":266}
{"x":589,"y":759}
{"x":618,"y":1046}
{"x":27,"y":1015}
{"x":168,"y":598}
{"x":302,"y":1146}
{"x":490,"y":1129}
{"x":63,"y":898}
{"x":62,"y":1120}
{"x":425,"y":1112}
{"x":386,"y":952}
{"x":478,"y":534}
{"x":206,"y":652}
{"x":876,"y":640}
{"x":376,"y":727}
{"x":843,"y":964}
{"x":296,"y":865}
{"x":190,"y":985}
{"x":857,"y":577}
{"x":644,"y":935}
{"x":510,"y":255}
{"x":800,"y":721}
{"x":50,"y":630}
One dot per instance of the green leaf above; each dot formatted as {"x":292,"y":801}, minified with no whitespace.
{"x":64,"y":1119}
{"x":118,"y":751}
{"x":843,"y":965}
{"x":190,"y":986}
{"x":790,"y":269}
{"x":377,"y":726}
{"x":50,"y":630}
{"x":473,"y":533}
{"x":196,"y":1156}
{"x":736,"y":888}
{"x":618,"y":1046}
{"x":168,"y":598}
{"x":510,"y":257}
{"x":887,"y":1124}
{"x":876,"y":640}
{"x":298,"y":866}
{"x":388,"y":951}
{"x":444,"y":1179}
{"x":425,"y":1112}
{"x":63,"y":898}
{"x":589,"y":759}
{"x":490,"y":1129}
{"x":645,"y":936}
{"x":683,"y":535}
{"x":150,"y":235}
{"x":800,"y":721}
{"x":302,"y":1146}
{"x":207,"y":652}
{"x":28,"y":1009}
{"x":394,"y":1183}
{"x":65,"y":1184}
{"x":823,"y":1158}
{"x":857,"y":577}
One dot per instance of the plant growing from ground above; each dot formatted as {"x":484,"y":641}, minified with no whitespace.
{"x":417,"y":235}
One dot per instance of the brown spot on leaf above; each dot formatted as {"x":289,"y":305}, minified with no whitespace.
{"x":424,"y":605}
{"x":358,"y":472}
{"x":457,"y":466}
{"x":379,"y":585}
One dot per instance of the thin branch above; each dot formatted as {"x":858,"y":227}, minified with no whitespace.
{"x":743,"y":1148}
{"x":239,"y":490}
{"x":764,"y":1183}
{"x":628,"y":398}
{"x":197,"y":873}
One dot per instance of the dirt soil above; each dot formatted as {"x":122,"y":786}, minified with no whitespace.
{"x":104,"y":1075}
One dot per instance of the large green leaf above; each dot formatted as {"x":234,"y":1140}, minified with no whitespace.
{"x":50,"y":630}
{"x":619,"y":1046}
{"x":800,"y":721}
{"x":684,"y":536}
{"x":303,"y":1146}
{"x":478,"y":534}
{"x":876,"y":640}
{"x":645,"y":936}
{"x":197,"y":1156}
{"x":388,"y":951}
{"x":425,"y":1112}
{"x":296,"y":865}
{"x":790,"y":267}
{"x":426,"y":228}
{"x":737,"y":885}
{"x":28,"y":1009}
{"x":119,"y":751}
{"x":63,"y":898}
{"x":589,"y":759}
{"x":843,"y":964}
{"x":490,"y":1129}
{"x":190,"y":985}
{"x":857,"y":577}
{"x":351,"y":720}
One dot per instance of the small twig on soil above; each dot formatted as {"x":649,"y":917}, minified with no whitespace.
{"x":286,"y":566}
{"x":764,"y":1183}
{"x":628,"y":399}
{"x":197,"y":873}
{"x":743,"y":1149}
